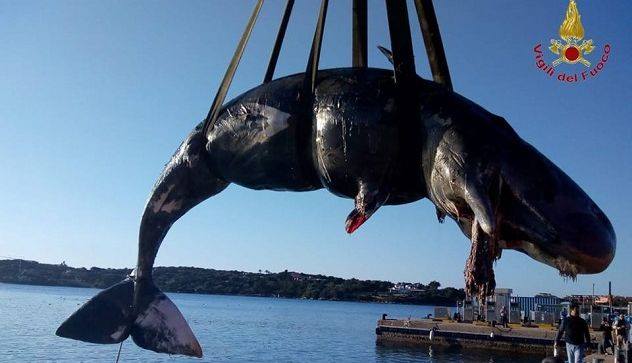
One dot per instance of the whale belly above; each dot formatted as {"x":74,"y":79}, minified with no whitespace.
{"x":357,"y":136}
{"x":351,"y":138}
{"x":260,"y":146}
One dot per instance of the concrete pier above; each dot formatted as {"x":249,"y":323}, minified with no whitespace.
{"x":450,"y":334}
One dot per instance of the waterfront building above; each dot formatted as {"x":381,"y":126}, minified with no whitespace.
{"x":543,"y":302}
{"x":541,"y":308}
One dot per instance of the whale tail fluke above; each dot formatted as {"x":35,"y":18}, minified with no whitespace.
{"x":104,"y":319}
{"x":161,"y":327}
{"x":109,"y":318}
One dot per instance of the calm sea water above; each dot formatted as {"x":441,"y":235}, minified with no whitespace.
{"x":229,"y":328}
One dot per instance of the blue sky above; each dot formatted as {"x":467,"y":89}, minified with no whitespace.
{"x":96,"y":95}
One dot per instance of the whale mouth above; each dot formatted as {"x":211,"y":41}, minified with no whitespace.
{"x":566,"y":267}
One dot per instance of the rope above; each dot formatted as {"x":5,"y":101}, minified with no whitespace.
{"x":118,"y":356}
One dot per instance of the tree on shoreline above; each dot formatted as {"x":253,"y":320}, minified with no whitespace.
{"x":208,"y":281}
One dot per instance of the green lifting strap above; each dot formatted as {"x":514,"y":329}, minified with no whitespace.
{"x":314,"y":54}
{"x":432,"y":40}
{"x":401,"y":42}
{"x":274,"y":57}
{"x":209,"y":122}
{"x":359,"y":37}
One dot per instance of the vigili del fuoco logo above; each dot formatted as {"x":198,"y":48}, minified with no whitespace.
{"x":571,"y":49}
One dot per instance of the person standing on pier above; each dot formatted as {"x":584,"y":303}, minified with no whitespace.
{"x":621,"y":328}
{"x":503,"y":317}
{"x":629,"y":320}
{"x":576,"y":335}
{"x":606,"y":328}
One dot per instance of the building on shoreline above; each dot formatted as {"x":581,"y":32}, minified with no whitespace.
{"x":541,"y":308}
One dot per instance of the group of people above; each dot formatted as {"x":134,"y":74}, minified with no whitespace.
{"x":614,"y":333}
{"x":574,"y":329}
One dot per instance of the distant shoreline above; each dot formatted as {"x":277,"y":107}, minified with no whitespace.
{"x":193,"y":280}
{"x":234,"y":295}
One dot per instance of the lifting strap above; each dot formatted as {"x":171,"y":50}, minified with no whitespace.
{"x":274,"y":57}
{"x":209,"y":121}
{"x":359,"y":37}
{"x":401,"y":43}
{"x":432,"y":40}
{"x":314,"y":54}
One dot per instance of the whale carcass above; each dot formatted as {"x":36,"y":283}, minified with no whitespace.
{"x":361,"y":139}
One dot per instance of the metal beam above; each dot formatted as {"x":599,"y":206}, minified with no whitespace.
{"x":401,"y":43}
{"x":279,"y":41}
{"x":432,"y":40}
{"x":359,"y":39}
{"x":314,"y":54}
{"x":209,"y":122}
